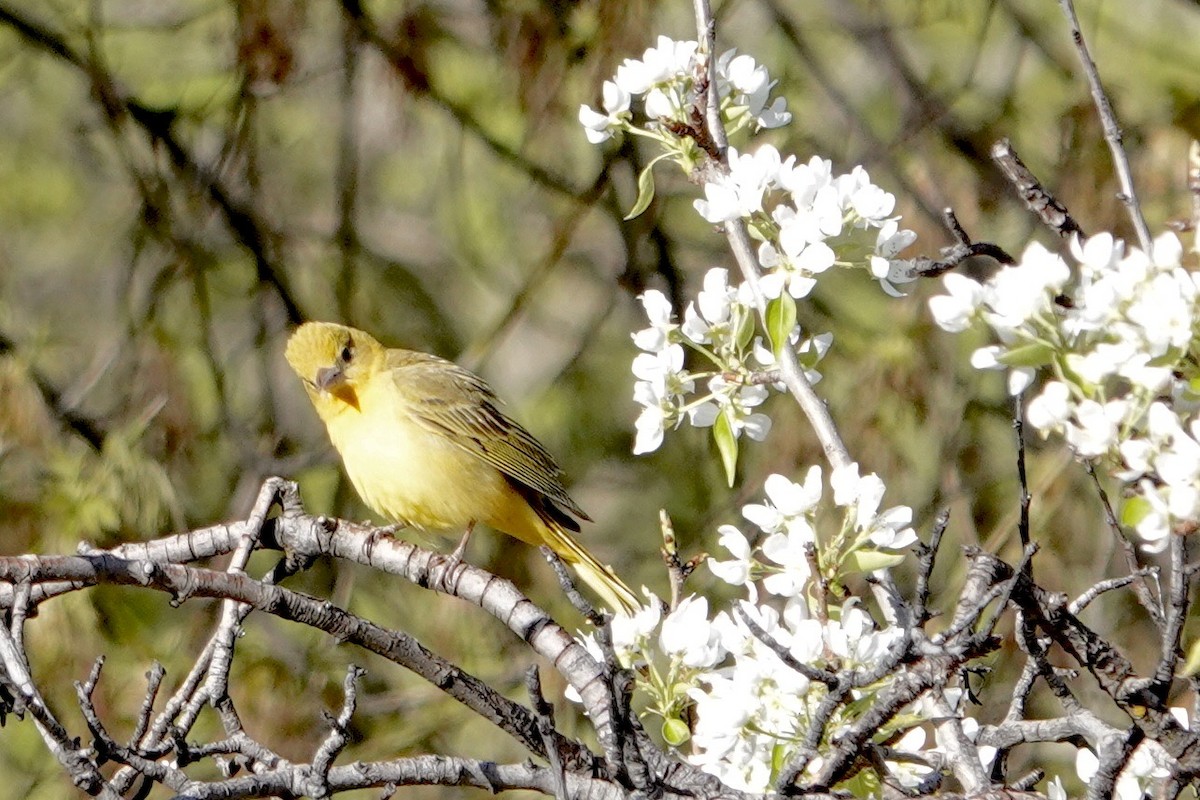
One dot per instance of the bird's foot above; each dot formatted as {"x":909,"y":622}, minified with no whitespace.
{"x":447,"y":566}
{"x":379,"y":533}
{"x":446,"y":561}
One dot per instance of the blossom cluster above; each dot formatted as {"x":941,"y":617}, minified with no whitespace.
{"x":1106,"y":339}
{"x":866,"y":539}
{"x":750,"y":707}
{"x":808,"y":219}
{"x":719,"y":326}
{"x":669,"y":78}
{"x":1113,"y":338}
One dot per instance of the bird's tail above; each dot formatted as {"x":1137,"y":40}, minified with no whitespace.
{"x":600,"y":577}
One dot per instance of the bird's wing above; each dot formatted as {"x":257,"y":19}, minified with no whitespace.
{"x":461,"y":407}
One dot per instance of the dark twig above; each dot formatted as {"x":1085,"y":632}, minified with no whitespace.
{"x":567,"y":583}
{"x":830,"y":679}
{"x":83,"y":426}
{"x":953,"y":256}
{"x":926,"y":555}
{"x":1176,"y":608}
{"x":620,"y":749}
{"x":1026,"y":498}
{"x":1037,"y":198}
{"x":1142,"y":587}
{"x":108,"y":749}
{"x":1114,"y":673}
{"x":808,"y":749}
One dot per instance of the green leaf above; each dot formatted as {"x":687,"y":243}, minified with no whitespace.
{"x":675,"y":732}
{"x":645,"y":189}
{"x":779,"y":757}
{"x":1134,"y":511}
{"x":746,"y":329}
{"x":760,"y":229}
{"x":871,"y":560}
{"x":781,"y":318}
{"x":726,"y":443}
{"x":1035,"y":354}
{"x":865,"y":783}
{"x":645,"y":193}
{"x":1167,"y":359}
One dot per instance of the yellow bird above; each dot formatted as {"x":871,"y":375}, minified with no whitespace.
{"x":425,"y":444}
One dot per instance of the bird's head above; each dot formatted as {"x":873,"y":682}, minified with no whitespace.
{"x":333,"y":360}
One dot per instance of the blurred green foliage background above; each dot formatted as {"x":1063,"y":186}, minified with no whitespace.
{"x":184,"y":181}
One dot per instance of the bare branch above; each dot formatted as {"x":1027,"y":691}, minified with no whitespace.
{"x":338,"y":736}
{"x":1112,"y":131}
{"x":1037,"y":198}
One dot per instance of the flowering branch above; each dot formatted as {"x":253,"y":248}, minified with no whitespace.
{"x":807,"y":220}
{"x":791,"y":374}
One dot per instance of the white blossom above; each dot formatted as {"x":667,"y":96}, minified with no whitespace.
{"x":713,"y":307}
{"x":737,"y":570}
{"x":1051,"y":409}
{"x":687,"y":633}
{"x":955,"y":311}
{"x":658,"y":310}
{"x":739,"y":193}
{"x":666,"y":61}
{"x":600,"y":127}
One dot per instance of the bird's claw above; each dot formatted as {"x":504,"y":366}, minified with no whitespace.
{"x":378,"y":533}
{"x":447,"y":564}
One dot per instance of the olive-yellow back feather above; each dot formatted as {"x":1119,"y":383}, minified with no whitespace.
{"x":459,"y":405}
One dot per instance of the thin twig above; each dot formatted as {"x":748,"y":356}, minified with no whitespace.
{"x":82,"y":769}
{"x":543,"y":712}
{"x":1112,"y":131}
{"x":814,"y":674}
{"x":926,"y":556}
{"x":953,"y":256}
{"x":1176,"y":608}
{"x":1018,"y":423}
{"x":1145,"y":596}
{"x":338,"y":737}
{"x":1037,"y":198}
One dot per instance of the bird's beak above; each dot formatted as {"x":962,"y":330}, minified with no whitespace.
{"x":331,"y":381}
{"x":330,"y":378}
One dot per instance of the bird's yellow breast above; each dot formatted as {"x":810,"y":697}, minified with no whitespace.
{"x":411,"y":475}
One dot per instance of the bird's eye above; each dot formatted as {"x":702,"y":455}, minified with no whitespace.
{"x":347,"y":354}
